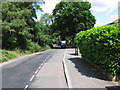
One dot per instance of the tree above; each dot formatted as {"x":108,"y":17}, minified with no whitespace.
{"x":17,"y":24}
{"x":47,"y":19}
{"x":43,"y":30}
{"x":72,"y":17}
{"x":41,"y":37}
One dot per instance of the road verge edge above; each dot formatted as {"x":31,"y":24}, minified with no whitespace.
{"x":21,"y":57}
{"x":67,"y":77}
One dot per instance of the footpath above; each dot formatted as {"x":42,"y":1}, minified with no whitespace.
{"x":80,"y":74}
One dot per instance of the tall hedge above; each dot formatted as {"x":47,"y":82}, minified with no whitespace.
{"x":101,"y":46}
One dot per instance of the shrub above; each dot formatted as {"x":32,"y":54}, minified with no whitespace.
{"x":33,"y":47}
{"x":46,"y":47}
{"x":6,"y":55}
{"x":101,"y":46}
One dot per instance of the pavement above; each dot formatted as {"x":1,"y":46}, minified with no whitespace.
{"x":80,"y":74}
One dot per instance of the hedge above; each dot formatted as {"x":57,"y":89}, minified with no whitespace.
{"x":101,"y":46}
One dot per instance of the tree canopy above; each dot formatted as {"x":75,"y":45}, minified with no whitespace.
{"x":19,"y":29}
{"x":72,"y":17}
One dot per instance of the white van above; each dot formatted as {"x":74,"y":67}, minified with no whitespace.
{"x":63,"y":44}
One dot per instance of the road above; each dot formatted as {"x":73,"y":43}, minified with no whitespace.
{"x":18,"y":74}
{"x":45,"y":70}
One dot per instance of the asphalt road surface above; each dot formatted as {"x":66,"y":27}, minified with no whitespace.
{"x":20,"y":73}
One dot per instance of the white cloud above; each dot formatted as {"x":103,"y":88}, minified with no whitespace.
{"x":97,"y":9}
{"x":47,"y":7}
{"x":50,"y":5}
{"x":97,"y":5}
{"x":98,"y":24}
{"x":104,"y":5}
{"x":113,"y":17}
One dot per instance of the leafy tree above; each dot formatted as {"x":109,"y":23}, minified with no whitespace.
{"x":17,"y":24}
{"x":43,"y":30}
{"x":41,"y":37}
{"x":72,"y":17}
{"x":47,"y":19}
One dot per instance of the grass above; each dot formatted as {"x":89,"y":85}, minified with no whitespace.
{"x":6,"y":55}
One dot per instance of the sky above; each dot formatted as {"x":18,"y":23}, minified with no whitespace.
{"x":105,"y":11}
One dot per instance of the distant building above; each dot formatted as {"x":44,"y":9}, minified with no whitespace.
{"x":116,"y":21}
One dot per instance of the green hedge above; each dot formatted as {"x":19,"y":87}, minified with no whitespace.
{"x":101,"y":46}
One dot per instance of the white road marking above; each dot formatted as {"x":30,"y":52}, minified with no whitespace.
{"x":39,"y":67}
{"x":36,"y":72}
{"x":44,"y":61}
{"x":26,"y":87}
{"x":32,"y":77}
{"x":66,"y":71}
{"x":49,"y":56}
{"x":41,"y":64}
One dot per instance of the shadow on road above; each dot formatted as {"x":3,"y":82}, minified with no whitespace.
{"x":56,"y":47}
{"x":86,"y":69}
{"x":59,"y":47}
{"x":113,"y":87}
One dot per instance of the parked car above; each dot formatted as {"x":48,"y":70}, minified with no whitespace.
{"x":71,"y":44}
{"x":63,"y":44}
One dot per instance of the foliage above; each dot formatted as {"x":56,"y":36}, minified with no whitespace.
{"x":33,"y":47}
{"x":17,"y":24}
{"x":101,"y":46}
{"x":21,"y":32}
{"x":41,"y":35}
{"x":72,"y":17}
{"x":19,"y":27}
{"x":46,"y":47}
{"x":46,"y":19}
{"x":7,"y":55}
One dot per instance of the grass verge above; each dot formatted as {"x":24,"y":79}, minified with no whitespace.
{"x":7,"y":55}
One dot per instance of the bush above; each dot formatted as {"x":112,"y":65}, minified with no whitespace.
{"x":33,"y":47}
{"x":101,"y":46}
{"x":6,"y":55}
{"x":51,"y":45}
{"x":46,"y":47}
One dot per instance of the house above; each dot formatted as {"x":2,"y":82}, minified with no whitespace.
{"x":116,"y":21}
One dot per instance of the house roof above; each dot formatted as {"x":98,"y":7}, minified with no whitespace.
{"x":116,"y":21}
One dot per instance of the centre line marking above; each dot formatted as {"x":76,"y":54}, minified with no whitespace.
{"x":36,"y":72}
{"x":32,"y":77}
{"x":41,"y":64}
{"x":26,"y":87}
{"x":44,"y":61}
{"x":39,"y":67}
